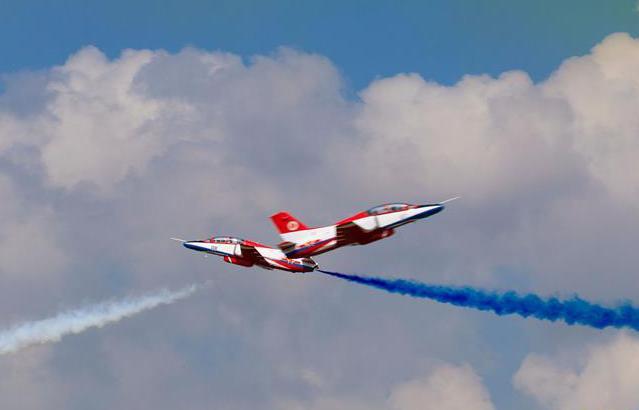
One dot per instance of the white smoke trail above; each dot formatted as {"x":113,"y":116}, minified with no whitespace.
{"x":76,"y":321}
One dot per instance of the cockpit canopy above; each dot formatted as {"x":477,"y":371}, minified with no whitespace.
{"x":224,"y":239}
{"x":386,"y":208}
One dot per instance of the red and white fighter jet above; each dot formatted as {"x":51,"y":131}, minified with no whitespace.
{"x":360,"y":229}
{"x":248,"y":253}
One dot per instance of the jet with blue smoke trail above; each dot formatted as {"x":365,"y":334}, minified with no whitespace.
{"x":574,"y":311}
{"x":378,"y":223}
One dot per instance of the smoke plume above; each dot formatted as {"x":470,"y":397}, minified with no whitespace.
{"x":571,"y":311}
{"x":76,"y":321}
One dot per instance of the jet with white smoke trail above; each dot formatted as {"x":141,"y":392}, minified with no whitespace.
{"x":76,"y":321}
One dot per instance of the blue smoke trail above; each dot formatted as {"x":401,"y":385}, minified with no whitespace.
{"x":572,"y":311}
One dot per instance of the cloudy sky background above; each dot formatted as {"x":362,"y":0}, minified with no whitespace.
{"x":119,"y":131}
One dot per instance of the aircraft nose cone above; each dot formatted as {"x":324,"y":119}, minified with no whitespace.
{"x":191,"y":245}
{"x":429,"y":210}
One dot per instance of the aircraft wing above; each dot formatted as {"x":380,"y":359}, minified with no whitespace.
{"x":250,"y":253}
{"x":349,"y":233}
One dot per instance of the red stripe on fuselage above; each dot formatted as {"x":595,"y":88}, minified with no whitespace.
{"x":254,"y":244}
{"x":359,"y":215}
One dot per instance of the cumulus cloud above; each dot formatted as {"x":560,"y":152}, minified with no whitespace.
{"x":105,"y":120}
{"x":607,"y":378}
{"x":601,"y":89}
{"x":27,"y":227}
{"x":97,"y":129}
{"x":447,"y":387}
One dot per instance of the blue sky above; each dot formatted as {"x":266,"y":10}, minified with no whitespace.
{"x":440,"y":39}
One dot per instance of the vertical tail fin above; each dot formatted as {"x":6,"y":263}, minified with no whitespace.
{"x":285,"y":223}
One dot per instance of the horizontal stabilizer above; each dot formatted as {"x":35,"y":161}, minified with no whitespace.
{"x":286,"y":247}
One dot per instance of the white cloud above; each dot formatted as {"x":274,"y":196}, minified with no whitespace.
{"x":447,"y":388}
{"x":483,"y":137}
{"x":98,"y":129}
{"x":29,"y":247}
{"x":105,"y":120}
{"x":607,"y":379}
{"x":602,"y":90}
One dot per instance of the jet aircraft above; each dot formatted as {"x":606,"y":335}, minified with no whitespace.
{"x":248,"y":253}
{"x":360,"y":229}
